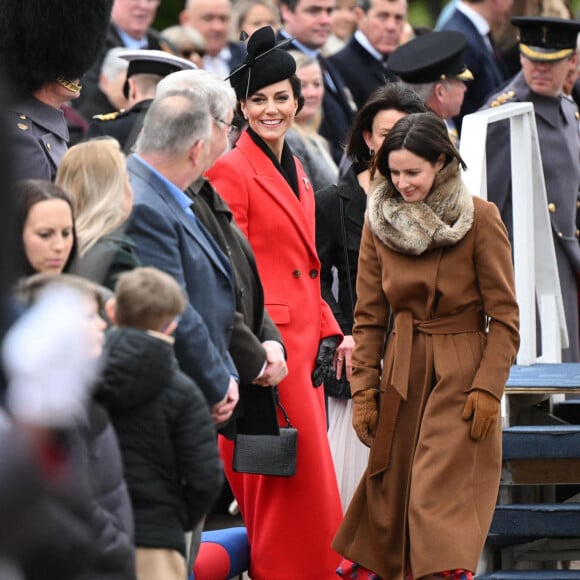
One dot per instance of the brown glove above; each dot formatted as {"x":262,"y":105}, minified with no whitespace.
{"x":365,"y":415}
{"x":484,"y":408}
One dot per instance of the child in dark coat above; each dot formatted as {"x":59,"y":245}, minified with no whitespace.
{"x":94,"y":450}
{"x":163,"y":423}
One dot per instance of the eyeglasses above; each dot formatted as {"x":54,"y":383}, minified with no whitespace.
{"x":189,"y":52}
{"x":231,"y":127}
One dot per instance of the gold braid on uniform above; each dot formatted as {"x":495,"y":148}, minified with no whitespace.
{"x":503,"y":98}
{"x":69,"y":85}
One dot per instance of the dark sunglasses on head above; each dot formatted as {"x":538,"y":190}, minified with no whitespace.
{"x":188,"y":52}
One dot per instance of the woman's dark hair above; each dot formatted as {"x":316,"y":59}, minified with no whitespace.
{"x":295,"y":84}
{"x":28,"y":193}
{"x":423,"y":134}
{"x":392,"y":96}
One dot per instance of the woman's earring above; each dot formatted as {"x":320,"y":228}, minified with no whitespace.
{"x":371,"y":152}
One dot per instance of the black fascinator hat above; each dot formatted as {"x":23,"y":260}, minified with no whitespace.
{"x":265,"y":64}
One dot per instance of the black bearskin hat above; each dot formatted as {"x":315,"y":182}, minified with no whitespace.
{"x":45,"y":40}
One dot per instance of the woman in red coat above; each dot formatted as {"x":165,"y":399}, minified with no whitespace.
{"x":290,"y":521}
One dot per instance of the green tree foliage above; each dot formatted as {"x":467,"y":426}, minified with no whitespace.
{"x":421,"y":12}
{"x":168,"y":13}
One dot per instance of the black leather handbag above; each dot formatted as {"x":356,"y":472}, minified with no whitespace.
{"x":337,"y":388}
{"x":267,"y":454}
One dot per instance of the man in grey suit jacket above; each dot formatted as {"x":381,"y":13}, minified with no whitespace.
{"x":256,"y":344}
{"x":172,"y":152}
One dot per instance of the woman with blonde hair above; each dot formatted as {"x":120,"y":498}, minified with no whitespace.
{"x":305,"y":142}
{"x":249,"y":15}
{"x":94,"y":173}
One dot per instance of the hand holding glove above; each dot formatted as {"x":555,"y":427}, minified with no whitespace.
{"x":484,"y":408}
{"x":365,"y":415}
{"x":324,"y":359}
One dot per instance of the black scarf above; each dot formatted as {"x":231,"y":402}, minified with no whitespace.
{"x":287,"y":167}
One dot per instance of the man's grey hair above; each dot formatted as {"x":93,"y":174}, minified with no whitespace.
{"x":113,"y":64}
{"x":422,"y":90}
{"x":174,"y":123}
{"x":208,"y":86}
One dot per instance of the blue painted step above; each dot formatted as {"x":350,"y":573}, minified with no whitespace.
{"x":544,"y":377}
{"x":522,"y":522}
{"x":541,"y":442}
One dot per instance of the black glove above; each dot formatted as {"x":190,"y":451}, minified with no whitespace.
{"x":324,"y":359}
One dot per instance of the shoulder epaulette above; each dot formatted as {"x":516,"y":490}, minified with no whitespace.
{"x":22,"y":122}
{"x":503,"y":98}
{"x":106,"y":116}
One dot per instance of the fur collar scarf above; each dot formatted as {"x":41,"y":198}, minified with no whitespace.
{"x":442,"y":219}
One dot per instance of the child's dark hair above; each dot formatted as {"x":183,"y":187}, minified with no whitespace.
{"x":147,"y":298}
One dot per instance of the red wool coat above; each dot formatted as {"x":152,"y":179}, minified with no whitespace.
{"x":290,"y":521}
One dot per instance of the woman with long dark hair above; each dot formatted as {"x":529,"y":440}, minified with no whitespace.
{"x":45,"y":228}
{"x":436,"y":332}
{"x":341,"y":205}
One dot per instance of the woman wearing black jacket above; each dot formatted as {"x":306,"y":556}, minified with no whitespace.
{"x":340,"y":211}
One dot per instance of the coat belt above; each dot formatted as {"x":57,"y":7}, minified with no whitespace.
{"x":404,"y":328}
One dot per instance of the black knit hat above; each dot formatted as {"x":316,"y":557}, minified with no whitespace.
{"x":265,"y":64}
{"x":45,"y":40}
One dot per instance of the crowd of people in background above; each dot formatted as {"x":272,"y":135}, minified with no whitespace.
{"x":262,"y":204}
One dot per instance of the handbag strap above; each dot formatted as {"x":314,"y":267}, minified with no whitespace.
{"x":281,"y":407}
{"x":345,"y":248}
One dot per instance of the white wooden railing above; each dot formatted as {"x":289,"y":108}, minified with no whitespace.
{"x":536,"y":272}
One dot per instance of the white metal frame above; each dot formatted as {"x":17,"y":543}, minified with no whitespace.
{"x":536,"y":271}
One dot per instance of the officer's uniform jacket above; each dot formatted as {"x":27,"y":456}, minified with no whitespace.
{"x":39,"y":138}
{"x":557,"y":123}
{"x":124,"y":126}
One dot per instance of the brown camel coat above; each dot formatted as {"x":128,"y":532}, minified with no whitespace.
{"x":428,"y":495}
